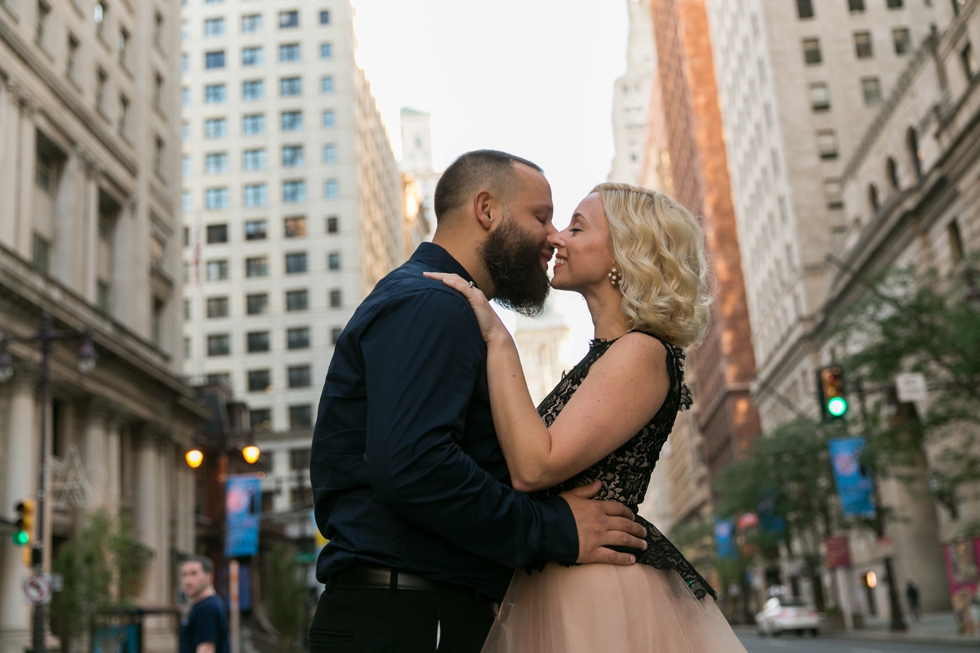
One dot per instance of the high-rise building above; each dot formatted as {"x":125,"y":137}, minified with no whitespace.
{"x":90,"y":234}
{"x":292,"y":204}
{"x":417,"y":160}
{"x":801,"y":82}
{"x":722,"y":367}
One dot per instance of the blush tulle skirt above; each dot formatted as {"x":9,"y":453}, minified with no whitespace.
{"x":602,"y":608}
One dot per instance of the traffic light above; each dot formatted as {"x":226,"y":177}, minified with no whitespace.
{"x":833,"y":402}
{"x":24,"y":525}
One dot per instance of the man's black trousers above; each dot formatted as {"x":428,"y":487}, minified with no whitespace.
{"x":375,"y":620}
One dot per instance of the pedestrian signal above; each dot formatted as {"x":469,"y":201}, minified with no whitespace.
{"x":24,"y":526}
{"x":833,"y":403}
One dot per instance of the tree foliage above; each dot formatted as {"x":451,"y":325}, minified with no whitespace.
{"x":286,"y":594}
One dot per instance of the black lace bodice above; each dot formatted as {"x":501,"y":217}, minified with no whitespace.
{"x":625,"y":473}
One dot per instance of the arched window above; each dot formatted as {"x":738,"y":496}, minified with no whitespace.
{"x":892,"y":169}
{"x":873,"y":198}
{"x":915,"y":153}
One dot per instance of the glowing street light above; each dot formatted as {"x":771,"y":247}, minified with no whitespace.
{"x":194,"y":458}
{"x":251,"y":454}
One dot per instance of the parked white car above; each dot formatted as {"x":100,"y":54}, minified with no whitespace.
{"x":783,"y":613}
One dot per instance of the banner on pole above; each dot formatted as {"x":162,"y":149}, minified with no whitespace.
{"x":725,"y":539}
{"x":243,"y":507}
{"x":854,"y":485}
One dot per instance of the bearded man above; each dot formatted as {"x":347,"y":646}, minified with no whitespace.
{"x":410,"y":484}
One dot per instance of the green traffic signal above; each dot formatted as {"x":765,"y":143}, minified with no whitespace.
{"x":21,"y":538}
{"x":836,"y":407}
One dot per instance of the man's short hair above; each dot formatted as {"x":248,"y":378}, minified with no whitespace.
{"x":487,"y":168}
{"x":206,"y":565}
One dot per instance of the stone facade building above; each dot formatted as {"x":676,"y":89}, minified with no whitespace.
{"x":89,"y":233}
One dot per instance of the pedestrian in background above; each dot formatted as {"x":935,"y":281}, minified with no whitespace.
{"x":205,"y":628}
{"x":912,"y":591}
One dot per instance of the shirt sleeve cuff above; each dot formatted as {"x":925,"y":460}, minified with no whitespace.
{"x":561,"y":534}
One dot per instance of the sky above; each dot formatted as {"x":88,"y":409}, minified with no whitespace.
{"x":531,"y":77}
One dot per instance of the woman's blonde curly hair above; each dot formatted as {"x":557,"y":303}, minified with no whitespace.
{"x":659,"y":250}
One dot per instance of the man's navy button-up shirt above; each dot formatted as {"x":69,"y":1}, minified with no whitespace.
{"x":406,"y":469}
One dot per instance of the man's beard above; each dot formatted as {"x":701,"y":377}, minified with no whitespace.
{"x":513,"y":259}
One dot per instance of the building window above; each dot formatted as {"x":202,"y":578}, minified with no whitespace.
{"x":215,"y":94}
{"x":955,"y":241}
{"x":331,"y":189}
{"x":253,"y":124}
{"x":873,"y":198}
{"x":185,"y":63}
{"x":833,"y":193}
{"x":122,"y":46}
{"x":259,"y":381}
{"x":185,"y":97}
{"x":255,"y":195}
{"x":969,"y":61}
{"x":100,"y":84}
{"x":958,"y":6}
{"x":333,"y":225}
{"x":217,"y":307}
{"x":256,"y":230}
{"x":219,"y":377}
{"x":855,"y":5}
{"x":185,"y":201}
{"x":260,"y":420}
{"x":298,"y":338}
{"x":216,"y":270}
{"x":827,"y":143}
{"x":811,"y":51}
{"x":871,"y":88}
{"x":294,"y":191}
{"x":219,"y":344}
{"x":891,"y":171}
{"x":42,"y":253}
{"x":297,"y":300}
{"x":289,"y":52}
{"x":251,"y":23}
{"x":101,"y":13}
{"x":902,"y":39}
{"x":257,"y":266}
{"x":123,"y":114}
{"x":290,"y":86}
{"x":214,"y":26}
{"x":329,"y":118}
{"x":292,"y":121}
{"x":326,"y":51}
{"x":185,"y":131}
{"x":258,"y":341}
{"x":333,"y":260}
{"x":335,"y":335}
{"x":185,"y":172}
{"x":157,"y":29}
{"x":72,"y":57}
{"x":330,"y":154}
{"x":253,"y":90}
{"x":326,"y":84}
{"x":299,"y":459}
{"x":288,"y":19}
{"x":324,"y":17}
{"x":214,"y":59}
{"x":158,"y":92}
{"x":215,"y":128}
{"x":862,"y":45}
{"x":253,"y":159}
{"x":216,"y":163}
{"x":916,"y":154}
{"x":895,"y":4}
{"x":103,"y":296}
{"x":216,"y":199}
{"x":217,"y":233}
{"x":300,"y":376}
{"x":292,"y":155}
{"x":804,"y":8}
{"x":336,"y":298}
{"x":257,"y":304}
{"x":295,"y":227}
{"x":296,"y":263}
{"x":251,"y":56}
{"x":300,"y":416}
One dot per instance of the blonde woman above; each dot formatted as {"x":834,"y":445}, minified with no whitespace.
{"x":638,"y":259}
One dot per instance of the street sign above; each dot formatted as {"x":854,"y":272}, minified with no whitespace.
{"x":911,"y":387}
{"x":854,"y":487}
{"x":37,"y":589}
{"x":838,"y":551}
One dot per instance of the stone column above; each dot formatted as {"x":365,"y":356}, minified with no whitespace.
{"x":146,"y":519}
{"x":94,"y":453}
{"x":113,"y":483}
{"x":20,"y":462}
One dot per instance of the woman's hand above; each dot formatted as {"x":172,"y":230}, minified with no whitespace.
{"x":490,"y":325}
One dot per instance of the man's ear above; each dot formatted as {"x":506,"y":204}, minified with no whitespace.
{"x":487,"y":209}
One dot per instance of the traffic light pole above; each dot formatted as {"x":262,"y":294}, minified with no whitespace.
{"x":897,"y":621}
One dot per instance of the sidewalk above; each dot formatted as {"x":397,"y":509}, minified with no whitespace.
{"x":937,"y":628}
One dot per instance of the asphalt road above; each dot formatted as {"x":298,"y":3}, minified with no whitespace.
{"x":793,"y":644}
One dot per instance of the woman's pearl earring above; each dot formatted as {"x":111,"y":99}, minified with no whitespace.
{"x":615,"y":277}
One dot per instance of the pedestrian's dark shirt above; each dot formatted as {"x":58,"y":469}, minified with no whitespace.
{"x":406,"y":469}
{"x":206,"y":622}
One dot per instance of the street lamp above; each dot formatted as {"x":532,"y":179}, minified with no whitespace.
{"x":86,"y":363}
{"x":194,"y":458}
{"x":251,"y":454}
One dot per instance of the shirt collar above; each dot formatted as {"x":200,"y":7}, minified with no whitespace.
{"x":434,"y":256}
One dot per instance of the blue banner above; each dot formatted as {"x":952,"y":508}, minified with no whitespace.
{"x":725,"y":539}
{"x":854,"y":485}
{"x":243,"y":508}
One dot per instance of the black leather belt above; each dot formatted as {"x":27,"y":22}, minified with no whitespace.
{"x":394,"y":580}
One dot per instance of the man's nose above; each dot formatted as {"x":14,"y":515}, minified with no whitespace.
{"x":556,"y":238}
